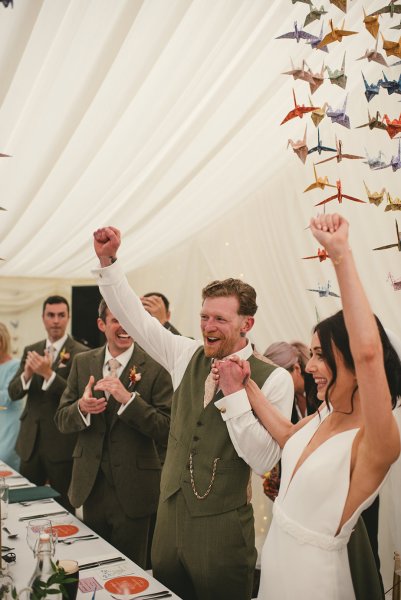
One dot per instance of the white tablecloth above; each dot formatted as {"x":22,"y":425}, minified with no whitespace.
{"x":82,"y":551}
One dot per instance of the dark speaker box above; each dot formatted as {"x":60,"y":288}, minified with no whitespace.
{"x":84,"y":306}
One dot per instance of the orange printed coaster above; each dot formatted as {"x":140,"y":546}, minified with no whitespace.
{"x":5,"y":473}
{"x":65,"y":530}
{"x":130,"y":584}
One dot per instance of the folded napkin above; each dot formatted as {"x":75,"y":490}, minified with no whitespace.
{"x":39,"y":492}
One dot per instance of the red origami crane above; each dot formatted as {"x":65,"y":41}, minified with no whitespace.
{"x":339,"y":196}
{"x":298,"y":111}
{"x":321,"y":255}
{"x":393,"y":126}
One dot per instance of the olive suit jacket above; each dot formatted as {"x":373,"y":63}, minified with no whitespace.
{"x":37,"y":419}
{"x":130,"y":439}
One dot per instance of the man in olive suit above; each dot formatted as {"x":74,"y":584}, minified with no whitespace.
{"x":118,"y":401}
{"x":46,"y":454}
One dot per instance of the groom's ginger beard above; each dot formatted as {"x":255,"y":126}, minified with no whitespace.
{"x":222,"y":326}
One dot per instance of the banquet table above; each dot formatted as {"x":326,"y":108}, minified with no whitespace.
{"x":122,"y":578}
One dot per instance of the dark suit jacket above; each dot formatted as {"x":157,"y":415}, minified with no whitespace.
{"x":37,"y":419}
{"x":132,"y":437}
{"x":171,"y":328}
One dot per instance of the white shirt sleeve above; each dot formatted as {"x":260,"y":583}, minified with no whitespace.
{"x":250,"y":439}
{"x":171,"y":351}
{"x":47,"y":384}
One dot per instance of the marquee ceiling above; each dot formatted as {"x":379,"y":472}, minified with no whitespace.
{"x":163,"y":118}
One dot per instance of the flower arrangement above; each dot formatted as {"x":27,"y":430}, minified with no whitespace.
{"x":133,"y":376}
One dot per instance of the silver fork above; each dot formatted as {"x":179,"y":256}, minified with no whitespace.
{"x":28,"y":503}
{"x":78,"y":539}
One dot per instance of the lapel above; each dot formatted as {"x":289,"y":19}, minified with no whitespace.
{"x":137,"y":360}
{"x":96,"y":368}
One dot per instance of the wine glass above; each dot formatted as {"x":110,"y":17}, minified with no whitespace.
{"x":33,"y":530}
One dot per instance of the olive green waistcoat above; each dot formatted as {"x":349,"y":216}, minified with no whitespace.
{"x":203,"y":433}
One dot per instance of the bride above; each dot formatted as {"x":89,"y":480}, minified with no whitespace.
{"x":333,"y":462}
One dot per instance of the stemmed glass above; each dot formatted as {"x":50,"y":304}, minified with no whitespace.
{"x":33,"y":530}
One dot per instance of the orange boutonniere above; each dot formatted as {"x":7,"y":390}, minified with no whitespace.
{"x":133,"y":376}
{"x":64,"y":357}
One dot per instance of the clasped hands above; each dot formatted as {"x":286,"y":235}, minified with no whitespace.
{"x":39,"y":364}
{"x":88,"y":404}
{"x":231,"y":374}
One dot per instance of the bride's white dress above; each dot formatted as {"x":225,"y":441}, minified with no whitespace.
{"x":302,"y":558}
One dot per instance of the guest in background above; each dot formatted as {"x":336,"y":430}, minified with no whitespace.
{"x":118,"y":401}
{"x":45,"y":453}
{"x":10,"y":411}
{"x":293,"y":356}
{"x":158,"y":306}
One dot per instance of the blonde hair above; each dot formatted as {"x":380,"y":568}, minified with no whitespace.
{"x":287,"y":355}
{"x":5,"y":340}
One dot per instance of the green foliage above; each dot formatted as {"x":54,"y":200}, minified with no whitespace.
{"x":54,"y":585}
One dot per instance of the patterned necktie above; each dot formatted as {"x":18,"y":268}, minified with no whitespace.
{"x":52,"y":352}
{"x":210,"y":389}
{"x":113,"y":365}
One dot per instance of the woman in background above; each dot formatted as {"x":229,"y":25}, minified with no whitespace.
{"x":293,"y":356}
{"x":9,"y":411}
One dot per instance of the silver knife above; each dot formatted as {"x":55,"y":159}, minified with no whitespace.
{"x":60,"y":512}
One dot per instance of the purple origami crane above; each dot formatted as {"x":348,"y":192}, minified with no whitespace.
{"x":338,"y":115}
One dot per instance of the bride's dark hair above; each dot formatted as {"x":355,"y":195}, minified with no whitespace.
{"x":333,"y":331}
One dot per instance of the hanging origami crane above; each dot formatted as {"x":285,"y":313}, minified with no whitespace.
{"x":375,"y":162}
{"x":339,"y":196}
{"x":316,"y":42}
{"x":296,"y":34}
{"x":304,"y":1}
{"x":314,"y":14}
{"x":374,"y":122}
{"x":300,"y":148}
{"x":317,"y":79}
{"x":341,"y":4}
{"x":392,"y":48}
{"x":321,"y":255}
{"x":339,"y":115}
{"x":300,"y":72}
{"x":374,"y":55}
{"x":371,"y":89}
{"x":335,"y":35}
{"x":375,"y":198}
{"x":320,"y":148}
{"x":392,"y":204}
{"x":4,"y":155}
{"x":318,"y":114}
{"x":396,"y":26}
{"x":324,"y":290}
{"x":390,"y":8}
{"x":393,"y":125}
{"x":371,"y":23}
{"x":340,"y":154}
{"x":392,"y":86}
{"x":395,"y":161}
{"x":396,"y":283}
{"x":397,"y":245}
{"x":319,"y":183}
{"x":338,"y":76}
{"x":298,"y":111}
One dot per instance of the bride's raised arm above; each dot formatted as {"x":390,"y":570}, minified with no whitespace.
{"x":380,"y":438}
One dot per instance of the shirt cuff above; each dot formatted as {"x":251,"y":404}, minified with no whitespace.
{"x":47,"y":384}
{"x":109,"y":275}
{"x":86,"y":419}
{"x":124,"y":406}
{"x":25,"y":384}
{"x":233,"y":405}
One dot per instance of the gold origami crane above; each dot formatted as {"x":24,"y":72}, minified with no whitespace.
{"x":392,"y":48}
{"x":371,"y":23}
{"x":392,"y":204}
{"x":318,"y":114}
{"x":341,"y":4}
{"x":319,"y":183}
{"x":335,"y":35}
{"x":375,"y":198}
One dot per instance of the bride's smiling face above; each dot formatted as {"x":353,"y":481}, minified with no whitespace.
{"x":322,"y":374}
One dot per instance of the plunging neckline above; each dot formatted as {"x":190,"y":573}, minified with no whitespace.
{"x":299,"y":465}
